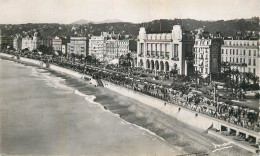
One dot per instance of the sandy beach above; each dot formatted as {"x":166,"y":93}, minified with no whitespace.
{"x":181,"y":137}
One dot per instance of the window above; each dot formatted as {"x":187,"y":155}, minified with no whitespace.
{"x":237,"y":60}
{"x":222,"y":50}
{"x":249,"y":70}
{"x":237,"y":51}
{"x":254,"y":62}
{"x":254,"y":71}
{"x":176,"y":50}
{"x":254,"y":52}
{"x":226,"y":51}
{"x":240,"y":52}
{"x":230,"y":51}
{"x":244,"y":52}
{"x":240,"y":60}
{"x":230,"y":59}
{"x":233,"y":59}
{"x":249,"y":61}
{"x":249,"y":53}
{"x":233,"y":51}
{"x":244,"y":60}
{"x":142,"y":48}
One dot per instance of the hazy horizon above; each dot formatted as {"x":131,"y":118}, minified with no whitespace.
{"x":134,"y":11}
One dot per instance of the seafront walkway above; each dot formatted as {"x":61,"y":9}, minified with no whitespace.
{"x":173,"y":97}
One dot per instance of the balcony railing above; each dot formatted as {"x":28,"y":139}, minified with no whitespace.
{"x":161,"y":57}
{"x":166,"y":58}
{"x":239,"y":64}
{"x":156,"y":56}
{"x":175,"y":58}
{"x":148,"y":56}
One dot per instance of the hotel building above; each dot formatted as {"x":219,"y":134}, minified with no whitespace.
{"x":241,"y":54}
{"x":97,"y":44}
{"x":78,"y":46}
{"x":57,"y":43}
{"x":207,"y":53}
{"x":117,"y":48}
{"x":166,"y":51}
{"x":33,"y":43}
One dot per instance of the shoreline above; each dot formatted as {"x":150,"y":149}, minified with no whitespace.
{"x":147,"y":100}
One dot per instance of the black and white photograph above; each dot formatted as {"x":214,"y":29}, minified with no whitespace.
{"x":129,"y":78}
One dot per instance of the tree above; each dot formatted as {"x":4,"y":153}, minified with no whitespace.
{"x":94,"y":59}
{"x":88,"y":59}
{"x":45,"y":50}
{"x":59,"y":52}
{"x":254,"y":78}
{"x":248,"y":76}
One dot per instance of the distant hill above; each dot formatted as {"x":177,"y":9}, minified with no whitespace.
{"x":109,"y":21}
{"x":83,"y":21}
{"x":85,"y":27}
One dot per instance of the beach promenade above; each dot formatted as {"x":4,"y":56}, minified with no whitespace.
{"x":192,"y":118}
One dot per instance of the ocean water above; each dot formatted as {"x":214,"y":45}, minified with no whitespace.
{"x":42,"y":113}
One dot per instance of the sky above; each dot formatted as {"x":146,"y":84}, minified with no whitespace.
{"x":137,"y":11}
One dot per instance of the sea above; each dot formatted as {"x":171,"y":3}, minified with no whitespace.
{"x":43,"y":112}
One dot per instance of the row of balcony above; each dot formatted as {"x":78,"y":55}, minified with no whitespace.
{"x":157,"y":57}
{"x":233,"y":64}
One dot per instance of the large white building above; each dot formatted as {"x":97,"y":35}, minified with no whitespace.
{"x":97,"y":44}
{"x":242,"y":54}
{"x":166,"y":51}
{"x":78,"y":46}
{"x":33,"y":43}
{"x":57,"y":43}
{"x":116,"y":48}
{"x":207,"y":53}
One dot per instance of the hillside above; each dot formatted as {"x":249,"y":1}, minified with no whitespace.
{"x":227,"y":28}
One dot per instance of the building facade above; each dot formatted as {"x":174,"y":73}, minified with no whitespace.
{"x":78,"y":46}
{"x":17,"y":42}
{"x":57,"y":43}
{"x":97,"y":44}
{"x":241,"y":54}
{"x":33,"y":43}
{"x":207,"y":53}
{"x":166,"y":51}
{"x":117,"y":48}
{"x":111,"y":50}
